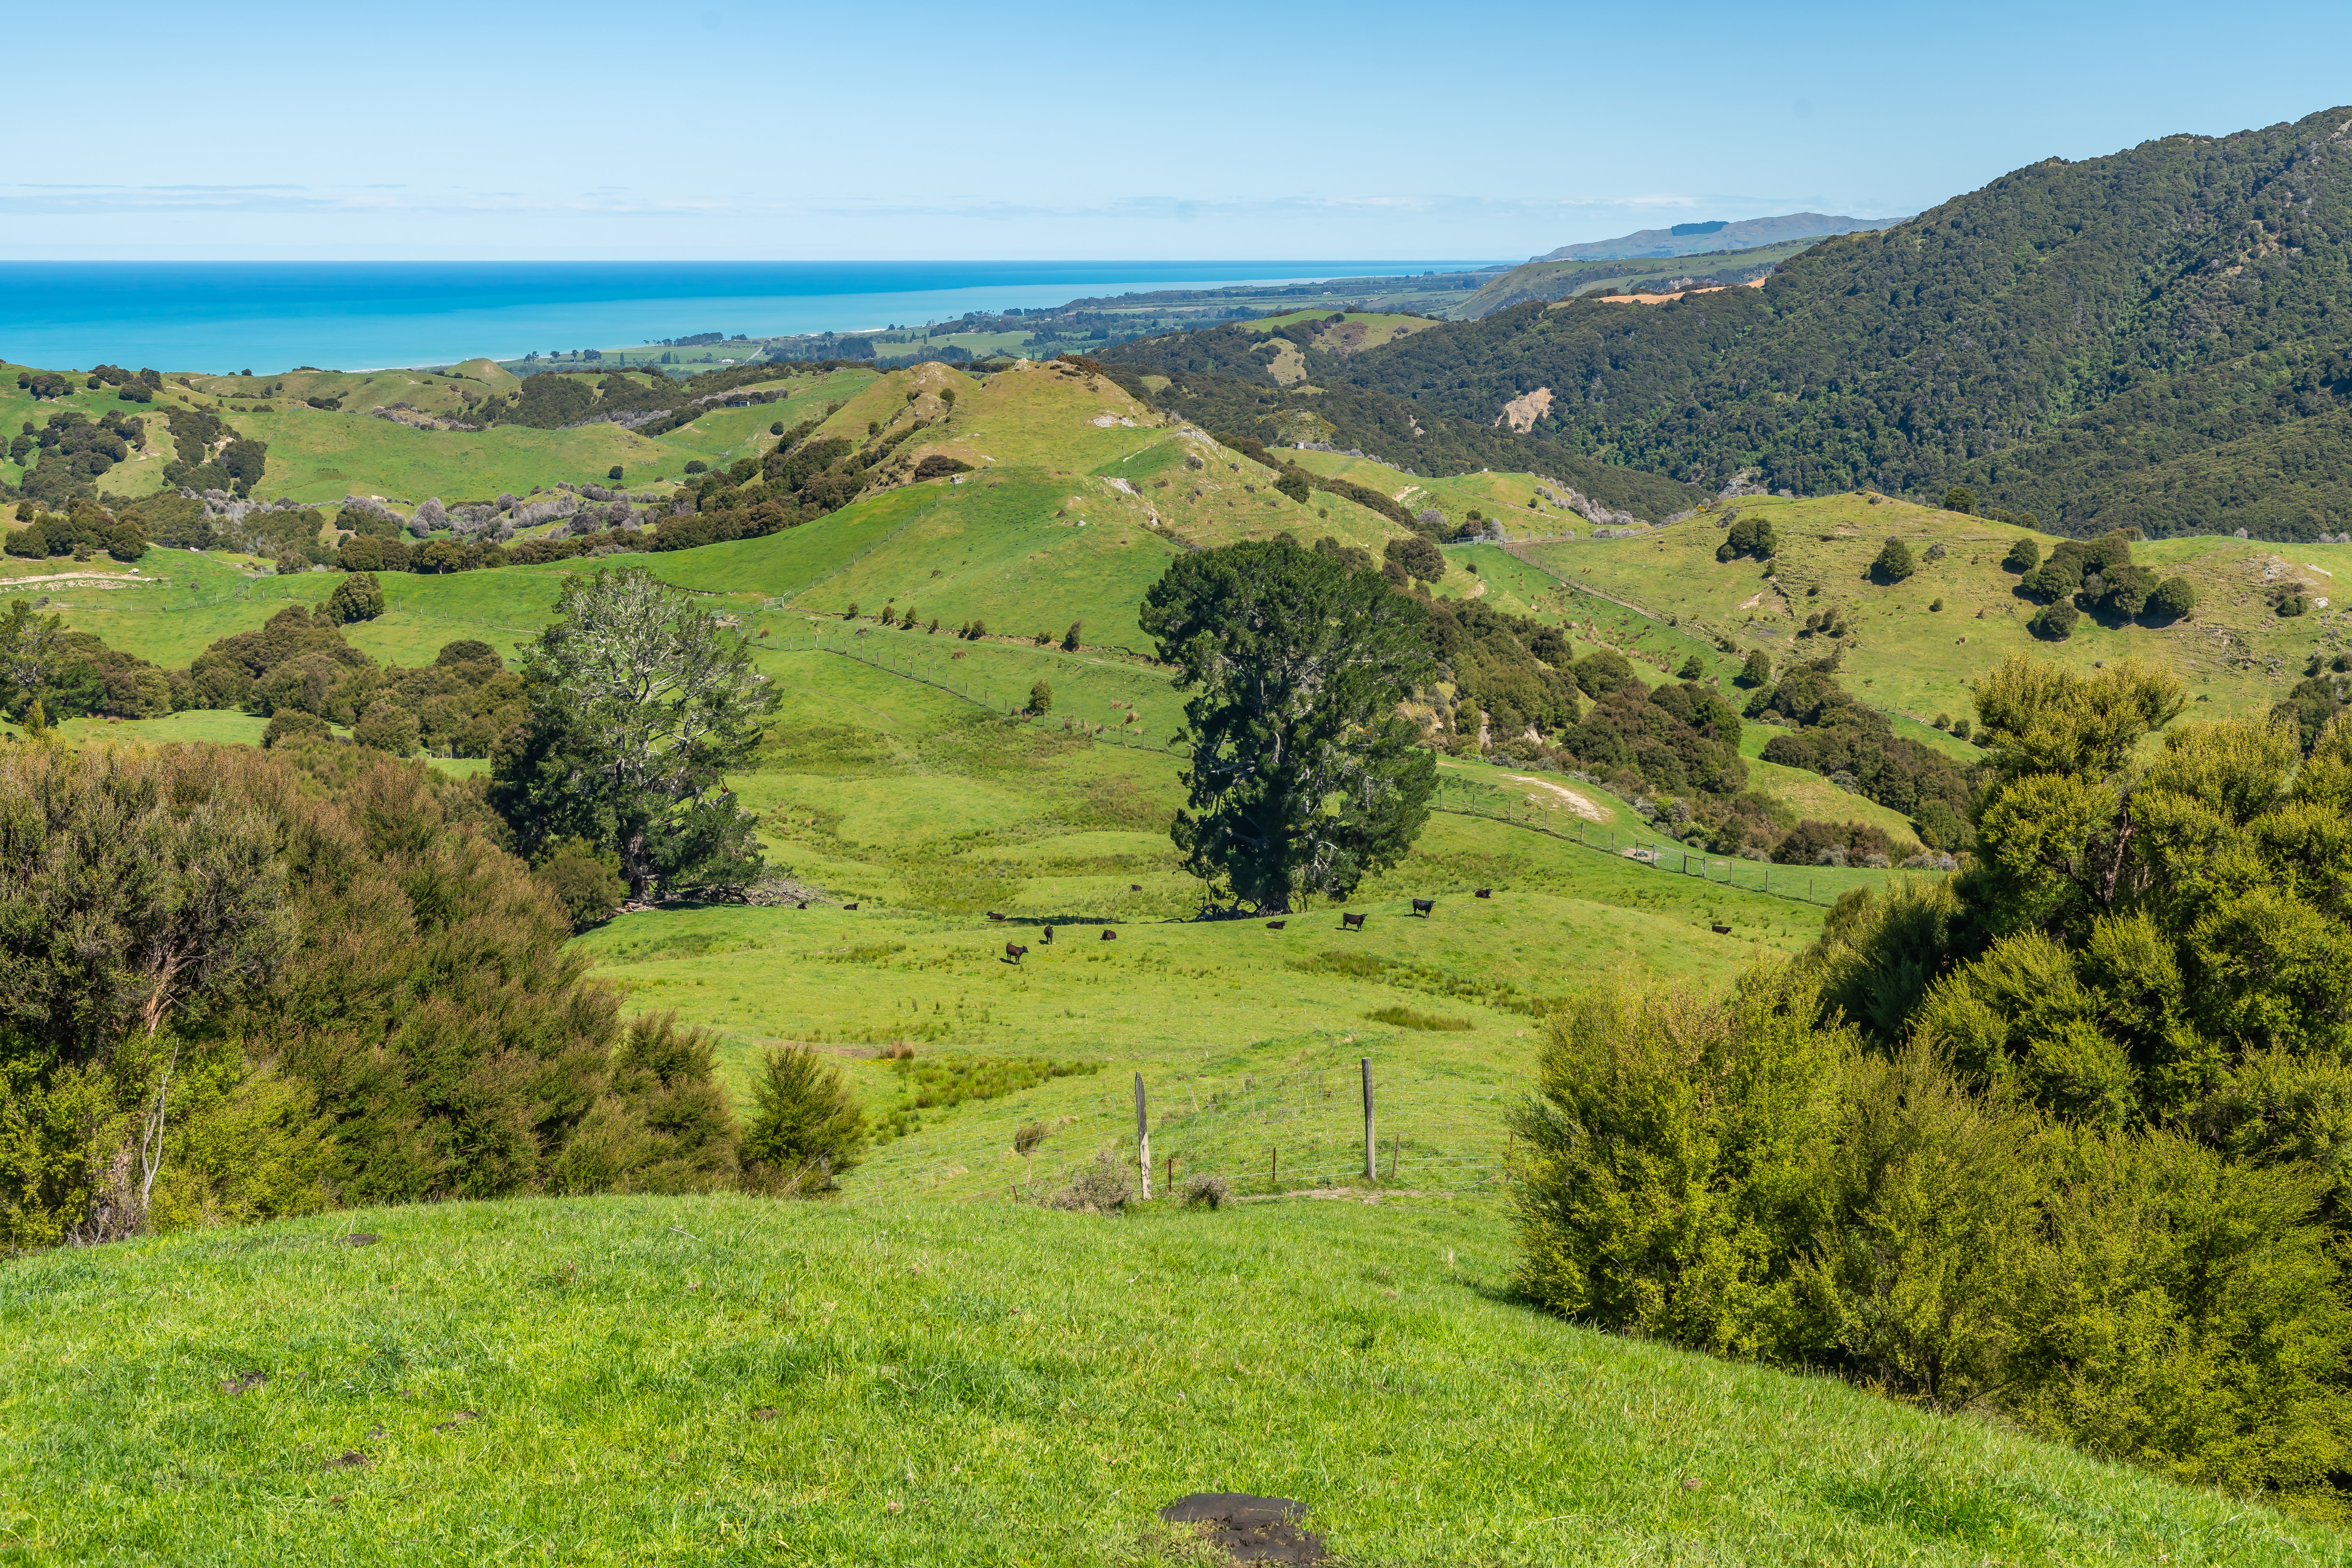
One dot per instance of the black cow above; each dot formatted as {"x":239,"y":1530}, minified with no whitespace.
{"x":1423,"y":905}
{"x":1012,"y":951}
{"x":1352,"y":922}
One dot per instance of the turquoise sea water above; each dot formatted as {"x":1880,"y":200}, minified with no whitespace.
{"x":272,"y":315}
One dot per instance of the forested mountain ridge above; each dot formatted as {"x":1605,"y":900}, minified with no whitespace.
{"x":1222,"y":379}
{"x":2158,"y":338}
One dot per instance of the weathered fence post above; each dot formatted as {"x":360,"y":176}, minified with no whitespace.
{"x":1371,"y":1145}
{"x":1143,"y":1137}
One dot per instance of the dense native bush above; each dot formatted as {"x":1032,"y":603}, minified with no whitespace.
{"x":457,"y":706}
{"x":2058,"y":1136}
{"x":1740,"y":1178}
{"x":72,"y":673}
{"x":240,"y":984}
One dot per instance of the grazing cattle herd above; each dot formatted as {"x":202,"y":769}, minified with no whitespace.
{"x":1349,"y":921}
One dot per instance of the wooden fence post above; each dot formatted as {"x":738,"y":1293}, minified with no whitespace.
{"x":1371,"y":1145}
{"x":1143,"y":1137}
{"x":1274,"y":1169}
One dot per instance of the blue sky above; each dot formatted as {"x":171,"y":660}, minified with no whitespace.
{"x":590,"y":130}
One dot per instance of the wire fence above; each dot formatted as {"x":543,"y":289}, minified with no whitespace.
{"x":924,"y":664}
{"x":1805,"y":884}
{"x":1303,"y":1130}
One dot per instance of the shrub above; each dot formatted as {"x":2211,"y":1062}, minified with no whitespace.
{"x":1103,"y":1187}
{"x":1758,"y":669}
{"x":358,"y":597}
{"x":1738,"y":1178}
{"x":292,"y":562}
{"x":387,"y":727}
{"x":1893,"y":563}
{"x":1748,"y":536}
{"x":1207,"y":1193}
{"x":805,"y":1127}
{"x":2054,"y":622}
{"x":1417,"y":556}
{"x":292,"y":722}
{"x":1041,"y":698}
{"x":2023,"y":556}
{"x":1070,"y":638}
{"x":381,"y":1008}
{"x":584,"y":881}
{"x":2173,"y":598}
{"x":2294,"y":604}
{"x":1960,"y":499}
{"x":697,"y":466}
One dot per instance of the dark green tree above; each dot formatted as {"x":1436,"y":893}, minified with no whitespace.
{"x":616,"y":473}
{"x":2023,"y":556}
{"x":1748,"y":536}
{"x":1692,"y":669}
{"x":805,"y":1127}
{"x":1303,"y":776}
{"x":1418,"y":556}
{"x":1757,"y":671}
{"x":358,"y":597}
{"x":2173,"y":598}
{"x":1960,"y":499}
{"x":641,"y":703}
{"x":1893,"y":563}
{"x":2054,"y":622}
{"x":1041,"y":698}
{"x":1294,"y":484}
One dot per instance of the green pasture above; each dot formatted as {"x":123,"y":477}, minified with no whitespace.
{"x":1917,"y":661}
{"x":732,"y":1380}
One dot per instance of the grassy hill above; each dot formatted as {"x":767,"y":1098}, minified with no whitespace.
{"x":722,"y":1380}
{"x":2234,"y":653}
{"x":687,"y":1377}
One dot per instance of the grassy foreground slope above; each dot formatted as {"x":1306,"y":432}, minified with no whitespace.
{"x":735,"y":1381}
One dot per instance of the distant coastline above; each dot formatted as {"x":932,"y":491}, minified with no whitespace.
{"x":272,"y":315}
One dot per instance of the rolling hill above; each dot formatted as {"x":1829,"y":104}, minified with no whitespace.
{"x":784,"y":1374}
{"x":1694,"y":239}
{"x":2150,"y":339}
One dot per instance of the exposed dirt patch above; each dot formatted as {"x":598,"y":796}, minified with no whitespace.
{"x":1582,"y":806}
{"x":1250,"y":1529}
{"x":1522,"y":412}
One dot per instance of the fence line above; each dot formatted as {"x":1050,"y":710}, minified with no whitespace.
{"x":1301,"y":1129}
{"x":978,"y":694}
{"x":1804,"y":884}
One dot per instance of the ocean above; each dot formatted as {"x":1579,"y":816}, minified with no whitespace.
{"x":219,"y":316}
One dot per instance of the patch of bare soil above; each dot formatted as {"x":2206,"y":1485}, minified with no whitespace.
{"x":1582,"y":806}
{"x":1522,"y":412}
